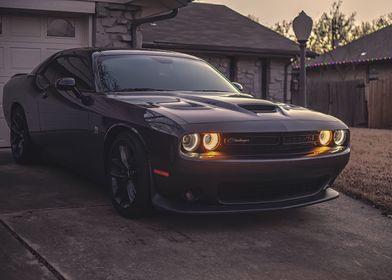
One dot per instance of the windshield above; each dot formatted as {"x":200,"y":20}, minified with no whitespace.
{"x":159,"y":73}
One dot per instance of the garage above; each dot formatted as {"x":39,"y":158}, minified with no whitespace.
{"x":27,"y":39}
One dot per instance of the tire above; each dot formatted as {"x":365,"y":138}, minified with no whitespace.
{"x":128,"y":176}
{"x":21,"y":145}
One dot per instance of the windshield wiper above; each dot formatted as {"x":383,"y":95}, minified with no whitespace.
{"x":140,"y":89}
{"x":209,"y":90}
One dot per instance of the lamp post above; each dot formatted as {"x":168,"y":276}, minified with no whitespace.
{"x":302,"y":26}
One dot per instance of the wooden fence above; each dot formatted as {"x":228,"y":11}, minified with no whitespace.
{"x":380,"y":104}
{"x":343,"y":99}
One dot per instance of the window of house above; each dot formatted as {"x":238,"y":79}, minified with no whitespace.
{"x":61,"y":27}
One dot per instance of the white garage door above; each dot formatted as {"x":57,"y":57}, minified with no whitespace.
{"x":26,"y":40}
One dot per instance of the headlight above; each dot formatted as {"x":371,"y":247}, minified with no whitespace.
{"x":325,"y":137}
{"x":211,"y":141}
{"x":190,"y":142}
{"x":339,"y":137}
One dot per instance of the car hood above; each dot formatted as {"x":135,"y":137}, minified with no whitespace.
{"x":230,"y":109}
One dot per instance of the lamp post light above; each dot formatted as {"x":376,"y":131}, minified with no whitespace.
{"x":302,"y":26}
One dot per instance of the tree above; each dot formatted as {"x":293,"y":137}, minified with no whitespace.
{"x":369,"y":27}
{"x":254,"y":18}
{"x":334,"y":28}
{"x":285,"y":28}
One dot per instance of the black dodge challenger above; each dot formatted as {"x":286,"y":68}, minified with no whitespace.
{"x":167,"y":129}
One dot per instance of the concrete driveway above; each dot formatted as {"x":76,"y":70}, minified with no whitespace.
{"x":55,"y":225}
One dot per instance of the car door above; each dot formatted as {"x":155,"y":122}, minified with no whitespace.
{"x":63,"y":116}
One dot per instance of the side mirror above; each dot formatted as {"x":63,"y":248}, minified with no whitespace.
{"x":65,"y":84}
{"x":238,"y":86}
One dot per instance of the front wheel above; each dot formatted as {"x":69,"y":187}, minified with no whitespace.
{"x":21,"y":145}
{"x":129,"y":176}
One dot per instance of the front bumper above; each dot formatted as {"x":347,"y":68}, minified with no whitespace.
{"x":209,"y":180}
{"x":192,"y":208}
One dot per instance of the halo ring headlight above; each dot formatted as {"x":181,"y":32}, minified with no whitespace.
{"x":339,"y":137}
{"x":190,"y":142}
{"x":325,"y":137}
{"x":211,"y":141}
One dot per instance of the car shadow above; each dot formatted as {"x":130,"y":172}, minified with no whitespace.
{"x":47,"y":185}
{"x":44,"y":185}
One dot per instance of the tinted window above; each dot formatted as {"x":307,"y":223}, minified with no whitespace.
{"x":77,"y":67}
{"x":132,"y":72}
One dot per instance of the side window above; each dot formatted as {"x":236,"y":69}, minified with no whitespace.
{"x":79,"y":68}
{"x":48,"y":75}
{"x":76,"y":67}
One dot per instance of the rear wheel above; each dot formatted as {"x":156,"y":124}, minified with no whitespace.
{"x":21,"y":145}
{"x":129,"y":176}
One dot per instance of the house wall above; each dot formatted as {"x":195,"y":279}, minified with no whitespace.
{"x":276,"y":83}
{"x":220,"y":62}
{"x":112,"y":25}
{"x":248,"y":72}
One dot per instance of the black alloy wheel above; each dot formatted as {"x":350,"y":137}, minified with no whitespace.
{"x":21,"y":145}
{"x":129,"y":176}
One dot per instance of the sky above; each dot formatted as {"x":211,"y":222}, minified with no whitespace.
{"x":271,"y":11}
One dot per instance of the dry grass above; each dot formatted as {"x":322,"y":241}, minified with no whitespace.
{"x":368,"y":175}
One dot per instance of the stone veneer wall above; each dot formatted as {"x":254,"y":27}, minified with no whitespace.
{"x":248,"y":73}
{"x":276,"y":80}
{"x":222,"y":63}
{"x":112,"y":25}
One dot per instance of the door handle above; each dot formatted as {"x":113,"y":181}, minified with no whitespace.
{"x":44,"y":95}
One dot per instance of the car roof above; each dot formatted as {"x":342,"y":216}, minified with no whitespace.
{"x":117,"y":51}
{"x":89,"y":51}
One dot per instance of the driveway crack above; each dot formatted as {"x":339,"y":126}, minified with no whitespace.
{"x":35,"y":253}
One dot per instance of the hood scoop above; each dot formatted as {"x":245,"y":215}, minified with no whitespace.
{"x":259,"y":108}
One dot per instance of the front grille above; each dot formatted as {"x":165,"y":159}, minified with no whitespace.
{"x":269,"y":144}
{"x":269,"y":191}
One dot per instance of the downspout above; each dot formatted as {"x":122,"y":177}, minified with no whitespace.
{"x":137,"y":40}
{"x":286,"y":66}
{"x":265,"y":68}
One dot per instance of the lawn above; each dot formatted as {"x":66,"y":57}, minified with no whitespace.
{"x":368,"y":175}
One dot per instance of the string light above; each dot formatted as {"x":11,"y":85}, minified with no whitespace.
{"x":347,"y":62}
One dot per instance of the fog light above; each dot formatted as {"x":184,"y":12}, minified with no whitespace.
{"x":191,"y":196}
